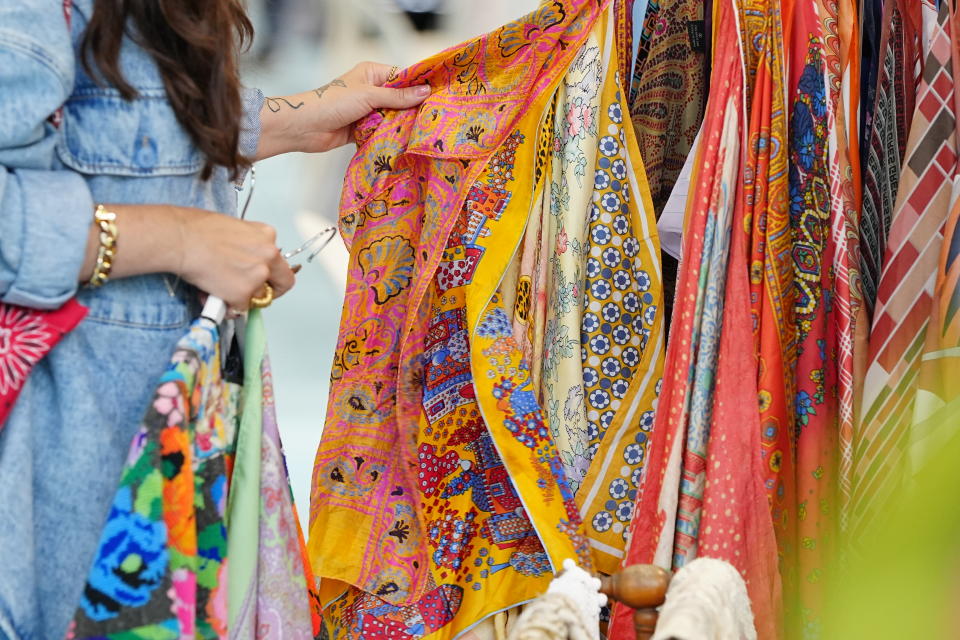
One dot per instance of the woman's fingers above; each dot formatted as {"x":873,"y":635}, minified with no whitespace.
{"x":380,"y":97}
{"x":233,"y":259}
{"x":405,"y":98}
{"x":281,"y":276}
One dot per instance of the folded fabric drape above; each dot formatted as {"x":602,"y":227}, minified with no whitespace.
{"x":502,"y":344}
{"x":439,"y":497}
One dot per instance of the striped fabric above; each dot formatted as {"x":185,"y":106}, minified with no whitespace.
{"x":905,"y":294}
{"x":934,"y":415}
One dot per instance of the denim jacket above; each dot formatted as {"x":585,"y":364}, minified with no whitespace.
{"x":64,"y":443}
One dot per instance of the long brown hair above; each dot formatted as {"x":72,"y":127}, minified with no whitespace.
{"x":195,"y":44}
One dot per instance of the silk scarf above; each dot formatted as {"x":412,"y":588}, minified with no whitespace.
{"x":270,"y":579}
{"x":895,"y":100}
{"x":576,"y":136}
{"x":816,"y":404}
{"x":772,"y":294}
{"x":907,"y":284}
{"x":439,"y":497}
{"x":937,"y":386}
{"x":621,"y":339}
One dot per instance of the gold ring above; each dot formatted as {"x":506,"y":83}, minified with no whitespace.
{"x":264,"y":301}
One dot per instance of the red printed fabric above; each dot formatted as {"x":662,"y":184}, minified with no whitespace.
{"x":26,"y":336}
{"x":703,"y":493}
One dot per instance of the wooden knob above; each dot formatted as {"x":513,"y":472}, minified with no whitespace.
{"x":645,"y":623}
{"x":640,"y":586}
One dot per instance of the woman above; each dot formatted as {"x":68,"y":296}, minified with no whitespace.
{"x":155,"y":128}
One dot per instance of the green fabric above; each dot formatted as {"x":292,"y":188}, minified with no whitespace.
{"x":906,"y":582}
{"x":243,"y":507}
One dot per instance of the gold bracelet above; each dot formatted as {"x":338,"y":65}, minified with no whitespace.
{"x":107,"y":222}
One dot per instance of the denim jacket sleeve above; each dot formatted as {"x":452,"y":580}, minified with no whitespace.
{"x":46,"y":208}
{"x":45,"y":213}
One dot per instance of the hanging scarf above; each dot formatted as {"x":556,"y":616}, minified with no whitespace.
{"x":849,"y":347}
{"x":623,"y":29}
{"x":270,"y":577}
{"x":905,"y":294}
{"x":938,"y":386}
{"x":161,"y":568}
{"x":873,"y":29}
{"x":772,"y":294}
{"x":668,"y":91}
{"x":816,"y":403}
{"x":702,"y":492}
{"x":896,"y":94}
{"x":621,"y":340}
{"x":439,"y":497}
{"x":576,"y":136}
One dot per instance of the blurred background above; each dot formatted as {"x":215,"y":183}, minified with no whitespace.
{"x":301,"y":45}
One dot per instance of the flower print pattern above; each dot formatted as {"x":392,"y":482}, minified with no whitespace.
{"x":24,"y":339}
{"x":126,"y":573}
{"x":609,"y":145}
{"x":602,"y":521}
{"x":619,"y":310}
{"x":169,"y":402}
{"x":579,"y":119}
{"x":26,"y":336}
{"x":557,"y":344}
{"x":182,"y":594}
{"x":575,"y":132}
{"x":162,"y":551}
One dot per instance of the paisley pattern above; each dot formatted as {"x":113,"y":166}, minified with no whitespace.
{"x":668,"y":93}
{"x":387,"y":267}
{"x":517,"y":36}
{"x":431,"y":380}
{"x":772,"y":294}
{"x":815,"y":405}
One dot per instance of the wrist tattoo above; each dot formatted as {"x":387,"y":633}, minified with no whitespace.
{"x":275,"y":104}
{"x":333,"y":83}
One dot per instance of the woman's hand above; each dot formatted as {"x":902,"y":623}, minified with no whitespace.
{"x":323,"y":119}
{"x":220,"y":255}
{"x":232,"y":259}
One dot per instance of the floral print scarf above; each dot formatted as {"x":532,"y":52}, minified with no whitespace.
{"x":161,"y":569}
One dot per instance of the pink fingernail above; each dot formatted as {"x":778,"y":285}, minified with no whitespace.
{"x":423,"y":90}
